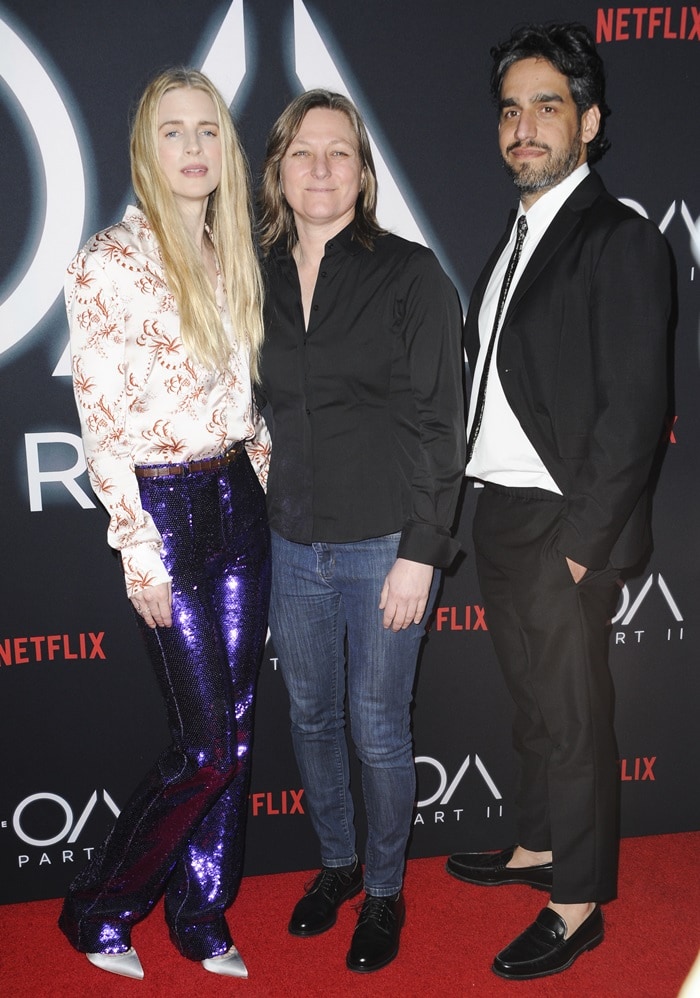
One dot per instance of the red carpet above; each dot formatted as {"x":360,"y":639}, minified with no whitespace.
{"x":452,"y":932}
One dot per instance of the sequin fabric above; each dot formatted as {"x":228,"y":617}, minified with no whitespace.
{"x":181,"y":834}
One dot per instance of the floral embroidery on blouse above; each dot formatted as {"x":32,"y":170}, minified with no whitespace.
{"x":140,"y":398}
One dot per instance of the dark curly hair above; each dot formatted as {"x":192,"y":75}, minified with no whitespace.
{"x":570,"y":48}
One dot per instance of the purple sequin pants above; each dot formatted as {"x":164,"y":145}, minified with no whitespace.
{"x":182,"y":832}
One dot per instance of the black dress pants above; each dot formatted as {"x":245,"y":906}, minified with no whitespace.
{"x":551,"y":639}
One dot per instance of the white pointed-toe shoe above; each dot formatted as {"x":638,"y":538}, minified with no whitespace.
{"x":125,"y":964}
{"x":229,"y":964}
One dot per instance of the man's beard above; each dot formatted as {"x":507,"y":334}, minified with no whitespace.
{"x":531,"y":178}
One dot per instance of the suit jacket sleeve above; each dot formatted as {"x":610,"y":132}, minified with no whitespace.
{"x":630,"y":304}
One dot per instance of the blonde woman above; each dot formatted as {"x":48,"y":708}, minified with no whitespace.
{"x":165,"y":317}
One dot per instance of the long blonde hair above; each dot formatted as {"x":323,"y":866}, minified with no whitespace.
{"x":228,"y":217}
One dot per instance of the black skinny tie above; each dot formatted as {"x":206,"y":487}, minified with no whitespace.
{"x":507,"y":280}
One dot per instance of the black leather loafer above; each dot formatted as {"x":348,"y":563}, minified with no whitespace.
{"x":375,"y":941}
{"x":488,"y":869}
{"x":318,"y":909}
{"x":542,"y":949}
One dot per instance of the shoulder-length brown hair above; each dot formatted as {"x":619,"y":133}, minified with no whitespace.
{"x":276,"y":217}
{"x":229,"y":218}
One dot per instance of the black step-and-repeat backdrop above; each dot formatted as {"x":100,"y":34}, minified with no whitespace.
{"x":80,"y":716}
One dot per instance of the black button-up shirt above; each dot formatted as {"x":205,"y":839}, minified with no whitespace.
{"x":365,"y":406}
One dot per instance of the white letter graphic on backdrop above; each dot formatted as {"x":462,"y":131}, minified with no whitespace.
{"x":225,"y":62}
{"x":41,"y":278}
{"x":315,"y":67}
{"x":66,"y":476}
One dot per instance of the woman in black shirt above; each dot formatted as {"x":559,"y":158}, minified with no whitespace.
{"x":362,"y":376}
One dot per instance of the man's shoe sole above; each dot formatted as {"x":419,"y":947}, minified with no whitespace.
{"x":549,"y":973}
{"x":498,"y":883}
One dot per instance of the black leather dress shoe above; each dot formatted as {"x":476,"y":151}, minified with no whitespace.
{"x":542,"y":949}
{"x":489,"y":870}
{"x":318,"y":909}
{"x":375,"y":941}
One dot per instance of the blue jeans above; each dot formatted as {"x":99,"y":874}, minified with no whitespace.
{"x":322,"y":594}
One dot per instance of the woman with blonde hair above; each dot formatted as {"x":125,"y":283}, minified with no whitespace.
{"x":165,"y":318}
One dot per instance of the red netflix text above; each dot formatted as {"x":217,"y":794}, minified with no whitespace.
{"x":638,"y":769}
{"x":52,"y":648}
{"x":459,"y":618}
{"x":624,"y":24}
{"x":279,"y":802}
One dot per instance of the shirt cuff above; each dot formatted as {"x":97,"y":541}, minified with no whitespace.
{"x":143,"y":567}
{"x":427,"y":544}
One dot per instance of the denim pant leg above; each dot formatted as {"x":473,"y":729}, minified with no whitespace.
{"x":381,"y":673}
{"x":307,"y":625}
{"x":318,"y":591}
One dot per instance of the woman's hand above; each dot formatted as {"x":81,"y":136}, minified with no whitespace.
{"x":154,"y":604}
{"x":405,"y":593}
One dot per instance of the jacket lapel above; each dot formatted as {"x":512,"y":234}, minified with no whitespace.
{"x":567,"y":219}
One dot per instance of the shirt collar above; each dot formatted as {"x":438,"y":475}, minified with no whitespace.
{"x":542,"y":212}
{"x":343,"y":241}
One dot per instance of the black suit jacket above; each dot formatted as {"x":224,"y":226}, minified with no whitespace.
{"x":582,"y":359}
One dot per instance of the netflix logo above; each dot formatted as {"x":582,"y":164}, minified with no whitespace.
{"x":625,"y":24}
{"x":638,"y":769}
{"x":52,"y":648}
{"x":279,"y":802}
{"x":458,"y":618}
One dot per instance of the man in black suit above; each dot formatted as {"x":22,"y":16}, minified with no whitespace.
{"x":567,"y":340}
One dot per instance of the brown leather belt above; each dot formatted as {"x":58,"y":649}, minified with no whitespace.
{"x":189,"y":467}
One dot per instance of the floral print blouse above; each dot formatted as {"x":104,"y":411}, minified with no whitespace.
{"x":140,"y":398}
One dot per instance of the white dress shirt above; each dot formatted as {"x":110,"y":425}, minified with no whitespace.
{"x":503,"y":453}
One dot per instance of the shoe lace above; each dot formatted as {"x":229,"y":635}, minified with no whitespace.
{"x":376,"y":909}
{"x":330,"y":882}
